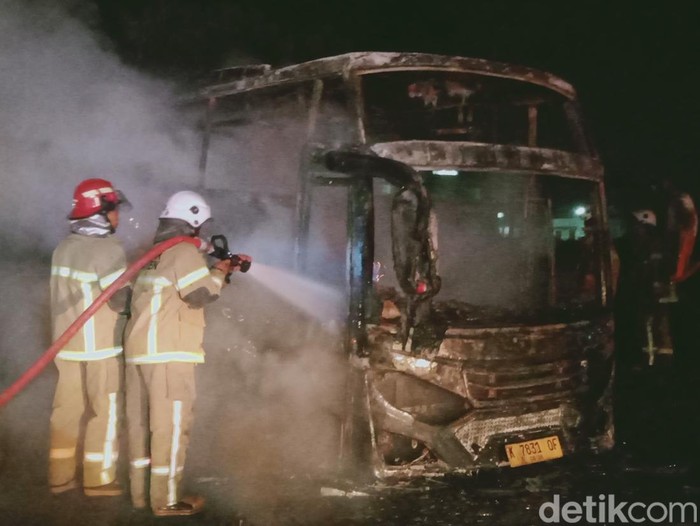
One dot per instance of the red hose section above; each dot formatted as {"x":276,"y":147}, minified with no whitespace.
{"x":46,"y":358}
{"x":687,"y":243}
{"x":690,"y":272}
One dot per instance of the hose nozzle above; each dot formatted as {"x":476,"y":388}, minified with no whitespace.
{"x":220,"y":250}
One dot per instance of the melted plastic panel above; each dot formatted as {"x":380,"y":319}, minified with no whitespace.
{"x":452,"y":402}
{"x":424,"y":401}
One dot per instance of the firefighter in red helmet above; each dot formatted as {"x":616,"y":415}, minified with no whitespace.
{"x":96,"y":196}
{"x":85,"y":263}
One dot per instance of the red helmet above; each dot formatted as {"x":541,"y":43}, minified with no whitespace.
{"x":93,"y":196}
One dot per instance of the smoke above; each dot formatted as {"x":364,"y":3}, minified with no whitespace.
{"x":69,"y":110}
{"x":315,"y":299}
{"x":270,"y":400}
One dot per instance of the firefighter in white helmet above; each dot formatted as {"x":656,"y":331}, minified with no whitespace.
{"x":163,"y":343}
{"x":89,"y":368}
{"x":645,"y":217}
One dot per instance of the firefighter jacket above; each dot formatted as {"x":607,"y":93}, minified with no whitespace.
{"x":163,"y":326}
{"x":81,"y":268}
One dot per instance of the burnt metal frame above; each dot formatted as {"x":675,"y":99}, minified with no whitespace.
{"x":360,"y":194}
{"x":351,"y":67}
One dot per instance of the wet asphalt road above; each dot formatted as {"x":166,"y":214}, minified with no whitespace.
{"x":653,"y":462}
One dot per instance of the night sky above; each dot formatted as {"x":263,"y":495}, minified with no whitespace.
{"x":635,"y":68}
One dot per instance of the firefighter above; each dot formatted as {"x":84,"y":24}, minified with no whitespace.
{"x":640,"y":253}
{"x":681,"y":229}
{"x":89,"y":367}
{"x":163,"y":345}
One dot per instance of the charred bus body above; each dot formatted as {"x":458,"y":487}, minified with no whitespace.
{"x":476,"y":254}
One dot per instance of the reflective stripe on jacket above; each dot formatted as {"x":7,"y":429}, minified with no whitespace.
{"x":81,"y":268}
{"x":163,"y":327}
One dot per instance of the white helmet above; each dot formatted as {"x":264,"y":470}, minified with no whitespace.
{"x":188,"y":206}
{"x":646,"y":217}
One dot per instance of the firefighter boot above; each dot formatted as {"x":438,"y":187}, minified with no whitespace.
{"x":113,"y":489}
{"x":187,"y":506}
{"x":62,"y":488}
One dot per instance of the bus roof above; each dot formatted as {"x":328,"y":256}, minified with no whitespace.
{"x":368,"y":62}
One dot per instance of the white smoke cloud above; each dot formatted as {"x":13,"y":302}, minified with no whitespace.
{"x":69,"y":110}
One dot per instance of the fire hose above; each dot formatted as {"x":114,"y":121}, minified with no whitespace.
{"x":690,"y":272}
{"x":48,"y":356}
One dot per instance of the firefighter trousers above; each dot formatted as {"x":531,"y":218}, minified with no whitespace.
{"x":159,"y":401}
{"x":86,"y":393}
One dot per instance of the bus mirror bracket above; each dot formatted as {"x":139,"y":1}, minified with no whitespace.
{"x":414,"y":253}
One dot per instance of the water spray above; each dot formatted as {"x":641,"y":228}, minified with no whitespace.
{"x":320,"y":301}
{"x":312,"y":297}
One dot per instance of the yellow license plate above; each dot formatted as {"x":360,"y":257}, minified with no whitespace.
{"x":532,"y":451}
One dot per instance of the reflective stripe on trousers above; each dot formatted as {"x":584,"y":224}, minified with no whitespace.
{"x":173,"y":470}
{"x":159,"y":409}
{"x":174,"y":449}
{"x":102,"y":465}
{"x":85,"y":389}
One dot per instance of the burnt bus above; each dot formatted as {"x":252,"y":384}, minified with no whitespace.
{"x":475,"y":251}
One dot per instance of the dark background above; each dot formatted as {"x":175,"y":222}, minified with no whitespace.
{"x":634,"y":65}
